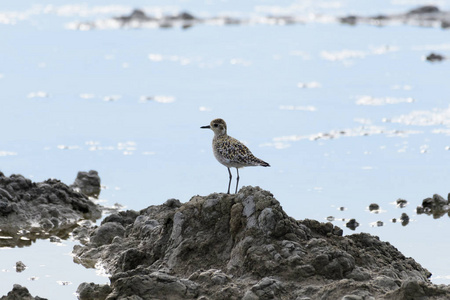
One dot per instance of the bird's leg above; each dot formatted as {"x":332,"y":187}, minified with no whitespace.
{"x":229,"y":183}
{"x":237,"y":180}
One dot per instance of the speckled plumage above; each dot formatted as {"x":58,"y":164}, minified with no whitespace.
{"x":230,"y":152}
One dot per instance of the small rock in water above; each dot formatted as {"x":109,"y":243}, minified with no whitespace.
{"x":20,"y":266}
{"x":186,"y":16}
{"x":404,"y":219}
{"x":350,"y":20}
{"x":352,"y":224}
{"x":341,"y":208}
{"x":401,"y":203}
{"x":137,"y":14}
{"x":88,"y":183}
{"x":426,"y":9}
{"x":394,"y":220}
{"x":377,"y":224}
{"x":420,"y":210}
{"x":436,"y":206}
{"x":374,"y":207}
{"x":433,"y":57}
{"x":330,"y":218}
{"x":425,"y":16}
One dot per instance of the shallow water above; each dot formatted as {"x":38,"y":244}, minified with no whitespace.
{"x":50,"y":271}
{"x":346,"y":116}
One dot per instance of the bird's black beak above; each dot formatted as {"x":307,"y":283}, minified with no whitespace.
{"x":206,"y":127}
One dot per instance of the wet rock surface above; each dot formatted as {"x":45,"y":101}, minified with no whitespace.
{"x":425,"y":16}
{"x":20,"y":293}
{"x":30,"y":210}
{"x":243,"y":246}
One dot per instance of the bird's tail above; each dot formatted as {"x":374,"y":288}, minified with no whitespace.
{"x":254,"y":161}
{"x":264,"y":164}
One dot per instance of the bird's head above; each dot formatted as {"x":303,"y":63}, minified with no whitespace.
{"x":218,"y":126}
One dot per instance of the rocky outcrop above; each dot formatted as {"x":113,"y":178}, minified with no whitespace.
{"x":426,"y":16}
{"x":30,"y":210}
{"x":243,"y":246}
{"x":20,"y":293}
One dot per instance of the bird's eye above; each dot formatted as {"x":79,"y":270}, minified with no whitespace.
{"x":215,"y":125}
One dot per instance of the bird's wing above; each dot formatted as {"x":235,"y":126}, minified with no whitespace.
{"x":234,"y":151}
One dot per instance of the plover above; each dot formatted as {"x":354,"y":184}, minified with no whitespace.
{"x":230,"y":152}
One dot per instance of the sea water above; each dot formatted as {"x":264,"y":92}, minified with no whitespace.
{"x":346,"y":115}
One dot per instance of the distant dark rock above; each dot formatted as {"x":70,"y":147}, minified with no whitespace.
{"x":404,"y":218}
{"x":20,"y":293}
{"x":242,"y":246}
{"x":352,"y":224}
{"x":401,"y":203}
{"x":137,"y":15}
{"x":88,"y":183}
{"x":30,"y":210}
{"x":445,"y":24}
{"x":436,"y":206}
{"x":186,"y":16}
{"x":20,"y":267}
{"x":139,"y":19}
{"x":427,"y":9}
{"x":374,"y":207}
{"x":433,"y":57}
{"x":350,"y":20}
{"x":426,"y":16}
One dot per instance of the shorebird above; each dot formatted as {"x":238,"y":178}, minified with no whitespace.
{"x":230,"y":152}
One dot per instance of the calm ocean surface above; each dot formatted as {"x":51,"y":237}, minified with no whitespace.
{"x":129,"y":103}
